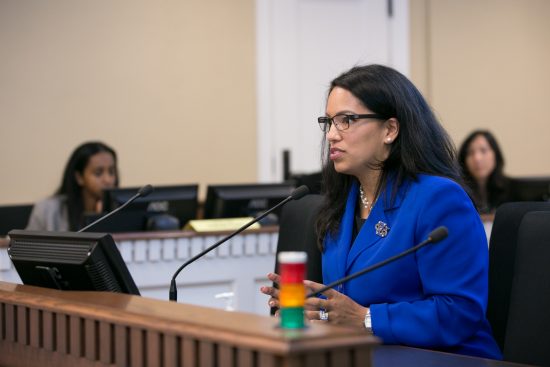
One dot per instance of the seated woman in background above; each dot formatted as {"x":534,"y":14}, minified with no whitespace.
{"x":91,"y":169}
{"x":482,"y":167}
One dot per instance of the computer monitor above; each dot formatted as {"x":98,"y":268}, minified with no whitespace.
{"x":70,"y":261}
{"x":530,"y":188}
{"x":178,"y":201}
{"x":313,"y":181}
{"x":14,"y":217}
{"x":244,"y":200}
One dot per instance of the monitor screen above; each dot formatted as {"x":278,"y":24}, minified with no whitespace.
{"x":313,"y":181}
{"x":245,"y":200}
{"x":530,"y":188}
{"x":178,"y":201}
{"x":70,"y":261}
{"x":14,"y":217}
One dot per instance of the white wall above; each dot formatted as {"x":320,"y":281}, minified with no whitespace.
{"x":170,"y":85}
{"x":485,"y":64}
{"x":302,"y":45}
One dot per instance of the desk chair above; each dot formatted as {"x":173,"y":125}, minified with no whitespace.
{"x":502,"y":264}
{"x":297,"y":233}
{"x":314,"y":181}
{"x":527,"y":338}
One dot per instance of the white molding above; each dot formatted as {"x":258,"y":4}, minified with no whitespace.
{"x":239,"y":266}
{"x":263,"y":66}
{"x":400,"y":57}
{"x":278,"y":91}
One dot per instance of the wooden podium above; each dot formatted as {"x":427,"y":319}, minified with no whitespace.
{"x":45,"y":327}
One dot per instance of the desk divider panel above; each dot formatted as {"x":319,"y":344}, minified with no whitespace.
{"x":241,"y":265}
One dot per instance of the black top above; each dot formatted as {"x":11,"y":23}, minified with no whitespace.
{"x":357,"y":227}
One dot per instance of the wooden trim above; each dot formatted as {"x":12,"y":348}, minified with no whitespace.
{"x":105,"y":329}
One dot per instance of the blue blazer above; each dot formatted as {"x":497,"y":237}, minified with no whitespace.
{"x":435,"y":298}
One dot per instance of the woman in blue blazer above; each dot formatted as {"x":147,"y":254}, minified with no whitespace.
{"x":391,"y":177}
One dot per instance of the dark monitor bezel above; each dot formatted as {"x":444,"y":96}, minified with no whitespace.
{"x":14,"y":217}
{"x":313,"y":181}
{"x":184,"y":207}
{"x":70,"y":261}
{"x":121,"y":222}
{"x":530,"y":188}
{"x":221,"y":200}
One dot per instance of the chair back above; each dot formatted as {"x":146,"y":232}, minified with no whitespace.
{"x":502,"y":256}
{"x":527,"y":338}
{"x":297,"y":233}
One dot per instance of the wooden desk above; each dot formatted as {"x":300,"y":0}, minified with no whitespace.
{"x":44,"y":327}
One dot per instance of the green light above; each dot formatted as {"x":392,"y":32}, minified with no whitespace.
{"x":292,"y":317}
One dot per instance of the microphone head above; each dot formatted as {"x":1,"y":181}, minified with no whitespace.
{"x":300,"y":192}
{"x":438,"y":234}
{"x":145,"y":190}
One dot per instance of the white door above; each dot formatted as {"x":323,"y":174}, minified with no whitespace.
{"x":301,"y":46}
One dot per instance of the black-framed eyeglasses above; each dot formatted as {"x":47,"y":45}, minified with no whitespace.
{"x":342,"y":121}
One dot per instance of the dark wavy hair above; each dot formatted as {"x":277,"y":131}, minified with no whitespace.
{"x":69,"y":186}
{"x":497,"y":183}
{"x":422,"y":145}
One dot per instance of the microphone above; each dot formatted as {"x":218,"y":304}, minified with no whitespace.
{"x":144,"y":191}
{"x":435,"y":236}
{"x":295,"y":195}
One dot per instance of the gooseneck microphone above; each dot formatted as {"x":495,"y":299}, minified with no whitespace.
{"x":295,"y":195}
{"x":144,"y":191}
{"x":435,"y":236}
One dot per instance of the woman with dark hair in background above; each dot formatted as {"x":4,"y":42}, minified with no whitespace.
{"x":91,"y":169}
{"x":391,"y":177}
{"x":482,"y":166}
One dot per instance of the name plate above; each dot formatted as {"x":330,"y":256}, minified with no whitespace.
{"x":222,"y":224}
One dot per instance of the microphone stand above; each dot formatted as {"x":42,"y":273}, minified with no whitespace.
{"x":144,"y":191}
{"x":297,"y":194}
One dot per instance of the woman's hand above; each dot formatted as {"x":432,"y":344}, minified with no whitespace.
{"x":272,"y":291}
{"x":341,"y":309}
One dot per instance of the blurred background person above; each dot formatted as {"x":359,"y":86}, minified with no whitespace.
{"x":91,"y":169}
{"x":482,"y":167}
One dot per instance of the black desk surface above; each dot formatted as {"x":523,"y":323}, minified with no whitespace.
{"x":392,"y":355}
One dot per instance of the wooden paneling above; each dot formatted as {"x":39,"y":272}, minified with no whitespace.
{"x":36,"y":332}
{"x":48,"y":331}
{"x":50,"y":327}
{"x":121,"y":346}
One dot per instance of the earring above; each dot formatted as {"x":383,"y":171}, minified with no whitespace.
{"x":388,"y":140}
